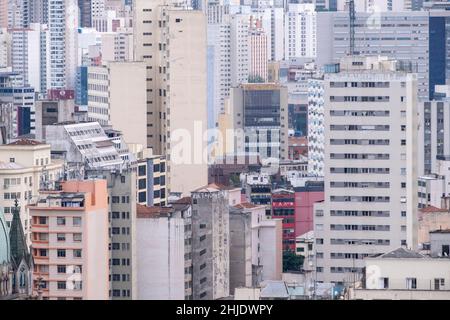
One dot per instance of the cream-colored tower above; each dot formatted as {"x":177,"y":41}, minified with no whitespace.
{"x":172,"y":41}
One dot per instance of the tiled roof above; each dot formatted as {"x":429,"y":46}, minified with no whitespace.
{"x":152,"y":212}
{"x":432,"y":209}
{"x":246,"y":205}
{"x":25,"y":142}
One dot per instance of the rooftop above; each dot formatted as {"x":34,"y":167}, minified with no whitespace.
{"x":25,"y":142}
{"x":401,"y":253}
{"x":432,"y":209}
{"x":10,"y":166}
{"x":246,"y":205}
{"x":441,"y":231}
{"x":144,"y":212}
{"x":213,"y":187}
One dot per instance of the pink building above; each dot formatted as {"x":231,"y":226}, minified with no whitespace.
{"x":305,"y":197}
{"x":258,"y":52}
{"x":70,"y":241}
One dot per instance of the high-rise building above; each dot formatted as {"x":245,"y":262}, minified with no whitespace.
{"x":173,"y":44}
{"x":403,"y":36}
{"x":30,"y":55}
{"x":370,"y":167}
{"x":259,"y":110}
{"x":70,"y":241}
{"x":121,"y":187}
{"x":85,"y":7}
{"x":210,"y":243}
{"x":62,"y":24}
{"x":258,"y":54}
{"x":300,"y":31}
{"x":3,"y":13}
{"x":113,"y":86}
{"x":5,"y":48}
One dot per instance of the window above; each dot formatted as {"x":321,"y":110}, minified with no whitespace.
{"x":411,"y":283}
{"x":384,"y":283}
{"x":76,"y":221}
{"x":61,"y":221}
{"x":61,"y":285}
{"x":61,"y":253}
{"x":61,"y":237}
{"x":77,"y":237}
{"x":77,"y":253}
{"x":61,"y":269}
{"x":446,"y":250}
{"x":439,"y":284}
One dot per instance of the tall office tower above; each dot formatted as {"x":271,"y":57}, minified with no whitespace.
{"x":277,"y":34}
{"x":219,"y":61}
{"x":121,"y":187}
{"x":300,"y":31}
{"x":240,"y":25}
{"x":260,"y":110}
{"x":376,"y":5}
{"x":403,"y":36}
{"x":3,"y":13}
{"x":39,"y":11}
{"x":117,"y":46}
{"x":439,"y":57}
{"x":258,"y":54}
{"x":210,"y":243}
{"x":63,"y":23}
{"x":5,"y":48}
{"x":113,"y":86}
{"x":370,"y":176}
{"x":85,"y":7}
{"x":172,"y":42}
{"x":316,"y":127}
{"x":30,"y":55}
{"x":70,"y":241}
{"x":19,"y":13}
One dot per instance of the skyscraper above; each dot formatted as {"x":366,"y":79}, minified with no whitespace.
{"x":370,"y":169}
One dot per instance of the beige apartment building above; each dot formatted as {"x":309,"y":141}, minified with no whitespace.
{"x":25,"y":167}
{"x":172,"y":43}
{"x":70,"y":241}
{"x":117,"y":97}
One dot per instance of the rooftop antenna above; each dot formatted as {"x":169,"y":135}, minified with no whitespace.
{"x":352,"y":19}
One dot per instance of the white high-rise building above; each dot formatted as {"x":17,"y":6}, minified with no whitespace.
{"x":371,"y":199}
{"x":316,"y":126}
{"x":376,"y":5}
{"x":62,"y":23}
{"x":300,"y":31}
{"x":5,"y":48}
{"x":30,"y":55}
